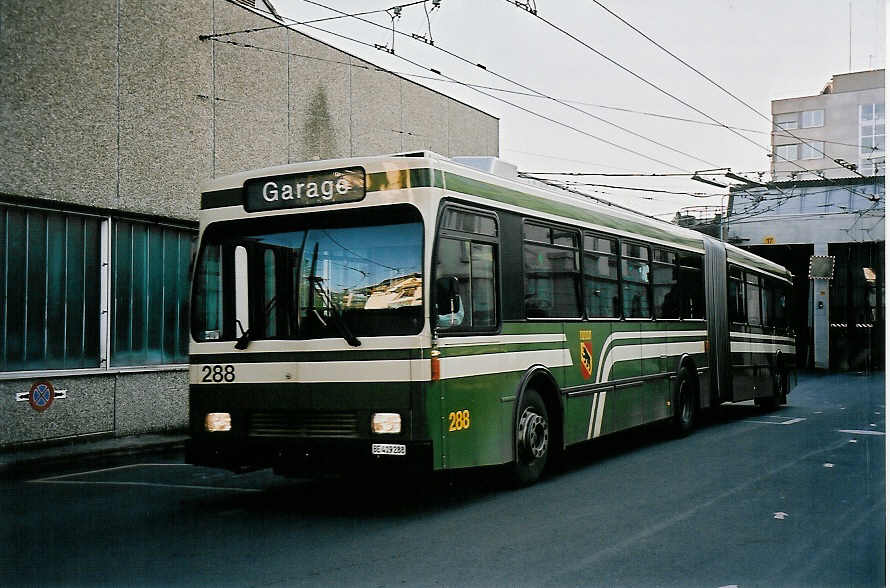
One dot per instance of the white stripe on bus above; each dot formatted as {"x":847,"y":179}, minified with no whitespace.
{"x":629,"y":352}
{"x":501,"y":339}
{"x":761,"y":337}
{"x":639,"y":335}
{"x":743,"y":347}
{"x":499,"y":363}
{"x":384,"y":370}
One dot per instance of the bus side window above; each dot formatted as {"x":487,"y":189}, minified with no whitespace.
{"x":736,"y":296}
{"x":752,"y":295}
{"x":552,"y":265}
{"x":635,"y":288}
{"x":665,"y":284}
{"x":601,"y":277}
{"x":466,"y":256}
{"x":692,"y":285}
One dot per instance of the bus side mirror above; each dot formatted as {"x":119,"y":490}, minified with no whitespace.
{"x":447,"y":297}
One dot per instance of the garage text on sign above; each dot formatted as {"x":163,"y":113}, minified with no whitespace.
{"x":301,"y":190}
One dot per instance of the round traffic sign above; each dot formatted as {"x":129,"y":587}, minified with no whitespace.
{"x":41,"y":396}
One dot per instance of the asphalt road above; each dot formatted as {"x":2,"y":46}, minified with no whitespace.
{"x":795,"y":497}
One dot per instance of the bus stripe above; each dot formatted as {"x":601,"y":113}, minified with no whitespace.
{"x":498,"y":363}
{"x":607,"y":344}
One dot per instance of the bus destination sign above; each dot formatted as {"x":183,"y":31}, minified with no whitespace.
{"x":301,"y":190}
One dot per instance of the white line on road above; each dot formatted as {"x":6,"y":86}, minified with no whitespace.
{"x":123,"y":467}
{"x":860,"y":432}
{"x":788,"y":422}
{"x":149,"y":484}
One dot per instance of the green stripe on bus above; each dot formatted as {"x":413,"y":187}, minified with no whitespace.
{"x":305,"y":356}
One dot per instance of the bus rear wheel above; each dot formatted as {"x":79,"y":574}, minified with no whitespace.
{"x":684,"y":404}
{"x":533,"y":439}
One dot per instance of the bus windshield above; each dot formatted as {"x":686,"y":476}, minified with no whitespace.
{"x":349,"y":273}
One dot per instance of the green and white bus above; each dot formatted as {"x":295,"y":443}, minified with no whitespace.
{"x":435,"y":313}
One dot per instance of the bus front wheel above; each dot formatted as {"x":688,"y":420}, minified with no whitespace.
{"x":533,"y":438}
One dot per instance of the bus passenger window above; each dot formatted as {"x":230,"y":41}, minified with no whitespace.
{"x":665,"y":285}
{"x":601,"y":277}
{"x":752,"y":295}
{"x":552,"y":272}
{"x":736,"y":296}
{"x":635,"y":280}
{"x":692,"y":285}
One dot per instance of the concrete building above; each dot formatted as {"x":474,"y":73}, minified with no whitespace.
{"x":111,"y":114}
{"x":822,"y":216}
{"x":833,"y":131}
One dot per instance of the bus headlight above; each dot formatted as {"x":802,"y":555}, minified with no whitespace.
{"x":216,"y":422}
{"x":386,"y":422}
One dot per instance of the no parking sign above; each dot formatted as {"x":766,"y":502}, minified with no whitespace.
{"x":41,"y":396}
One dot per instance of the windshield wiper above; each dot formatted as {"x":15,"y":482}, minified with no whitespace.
{"x":339,"y":324}
{"x":247,"y":336}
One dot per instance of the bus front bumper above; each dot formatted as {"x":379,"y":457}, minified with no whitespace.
{"x":304,"y":457}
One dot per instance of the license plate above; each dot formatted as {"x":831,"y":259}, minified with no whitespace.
{"x":387,"y":449}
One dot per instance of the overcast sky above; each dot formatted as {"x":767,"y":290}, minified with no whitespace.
{"x":759,"y":50}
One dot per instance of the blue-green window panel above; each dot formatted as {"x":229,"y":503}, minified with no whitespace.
{"x":50,"y":279}
{"x":150,"y":266}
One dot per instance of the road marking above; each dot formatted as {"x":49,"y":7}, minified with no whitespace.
{"x":149,"y":484}
{"x":62,"y":479}
{"x":827,"y":465}
{"x":780,"y":515}
{"x":123,"y":467}
{"x":788,"y":422}
{"x":860,"y":432}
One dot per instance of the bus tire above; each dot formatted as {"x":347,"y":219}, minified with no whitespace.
{"x":773,"y":402}
{"x":533,"y":439}
{"x":684,"y":404}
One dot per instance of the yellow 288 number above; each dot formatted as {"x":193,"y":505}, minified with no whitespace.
{"x":459,"y":420}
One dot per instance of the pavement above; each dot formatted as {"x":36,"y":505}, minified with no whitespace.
{"x":29,"y":459}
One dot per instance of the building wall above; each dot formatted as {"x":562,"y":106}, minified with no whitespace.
{"x":115,"y":109}
{"x":841,"y":125}
{"x":822,"y":215}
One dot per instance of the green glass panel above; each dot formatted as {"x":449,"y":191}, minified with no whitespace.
{"x":92,"y":275}
{"x":154,"y":272}
{"x":36,"y":295}
{"x":170,"y":275}
{"x":16,"y":289}
{"x":74,"y":293}
{"x":57,"y":284}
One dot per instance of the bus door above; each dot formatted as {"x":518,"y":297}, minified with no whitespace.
{"x":466,"y":316}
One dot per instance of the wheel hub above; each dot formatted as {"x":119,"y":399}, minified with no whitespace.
{"x":534,"y":434}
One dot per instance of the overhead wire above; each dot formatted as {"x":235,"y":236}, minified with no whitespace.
{"x":528,"y":88}
{"x":731,"y":94}
{"x":663,"y":91}
{"x":499,"y":99}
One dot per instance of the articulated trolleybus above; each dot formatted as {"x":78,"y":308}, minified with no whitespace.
{"x":439,"y":313}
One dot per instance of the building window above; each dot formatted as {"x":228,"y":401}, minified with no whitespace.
{"x":786,"y":152}
{"x":50,"y":278}
{"x":812,"y":150}
{"x":786,"y":120}
{"x":60,"y":271}
{"x":871,"y":139}
{"x":812,"y":118}
{"x":150,"y":293}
